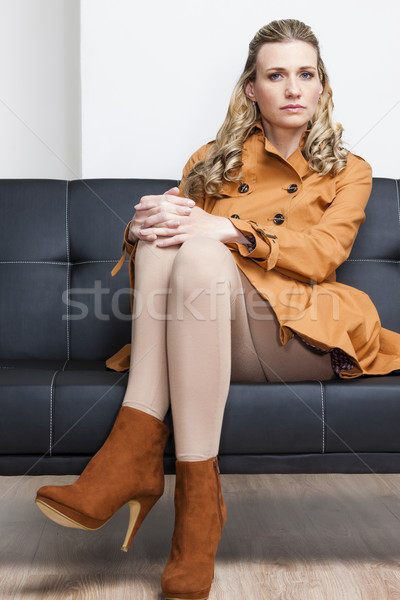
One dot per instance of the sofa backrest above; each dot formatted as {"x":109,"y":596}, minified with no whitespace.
{"x":374,"y":263}
{"x":60,"y":240}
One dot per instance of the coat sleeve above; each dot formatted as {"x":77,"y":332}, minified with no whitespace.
{"x":130,"y":249}
{"x":313,"y":254}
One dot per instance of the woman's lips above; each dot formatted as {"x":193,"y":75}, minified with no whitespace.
{"x":293,"y":108}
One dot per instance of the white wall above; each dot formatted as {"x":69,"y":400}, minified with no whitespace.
{"x":157,"y":76}
{"x":40,"y":89}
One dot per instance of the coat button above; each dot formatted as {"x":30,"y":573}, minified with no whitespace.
{"x":278,"y":219}
{"x":243,"y":188}
{"x":235,"y":216}
{"x":292,"y":188}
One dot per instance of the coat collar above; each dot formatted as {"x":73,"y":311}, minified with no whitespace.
{"x":295,"y":160}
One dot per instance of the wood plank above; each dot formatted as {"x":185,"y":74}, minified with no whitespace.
{"x":288,"y":537}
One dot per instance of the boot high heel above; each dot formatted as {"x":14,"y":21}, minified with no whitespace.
{"x":128,"y":469}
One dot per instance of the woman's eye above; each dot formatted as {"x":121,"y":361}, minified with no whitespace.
{"x":274,"y":76}
{"x":306,"y":75}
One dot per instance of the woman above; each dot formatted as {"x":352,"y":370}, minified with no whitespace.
{"x":235,"y":272}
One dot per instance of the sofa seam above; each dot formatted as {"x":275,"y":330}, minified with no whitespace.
{"x":56,"y":262}
{"x":51,"y":436}
{"x":322,"y":390}
{"x":68,"y":266}
{"x":85,"y":262}
{"x":372,"y":260}
{"x":113,"y":260}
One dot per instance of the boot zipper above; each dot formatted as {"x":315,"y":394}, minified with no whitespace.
{"x":216,"y":471}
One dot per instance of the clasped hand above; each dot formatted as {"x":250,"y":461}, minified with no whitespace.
{"x":171,"y":220}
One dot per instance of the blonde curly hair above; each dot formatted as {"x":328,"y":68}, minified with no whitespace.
{"x":223,"y":161}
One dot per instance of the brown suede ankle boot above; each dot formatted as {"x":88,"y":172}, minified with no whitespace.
{"x":128,"y":468}
{"x":200,"y":515}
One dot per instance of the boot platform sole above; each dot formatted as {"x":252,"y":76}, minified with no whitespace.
{"x":61,"y":519}
{"x":188,"y":596}
{"x":137,"y":513}
{"x":174,"y":598}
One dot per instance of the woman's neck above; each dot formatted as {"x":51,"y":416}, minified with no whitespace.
{"x":286,"y":141}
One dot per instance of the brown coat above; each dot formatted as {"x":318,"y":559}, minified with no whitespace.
{"x":293,"y":263}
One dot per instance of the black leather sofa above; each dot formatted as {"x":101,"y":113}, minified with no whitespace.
{"x":60,"y":240}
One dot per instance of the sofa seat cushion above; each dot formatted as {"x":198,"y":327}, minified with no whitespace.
{"x":361,"y":415}
{"x":50,"y":411}
{"x":46,"y":410}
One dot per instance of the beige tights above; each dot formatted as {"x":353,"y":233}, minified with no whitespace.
{"x":198,"y":324}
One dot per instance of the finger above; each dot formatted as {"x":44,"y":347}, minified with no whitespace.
{"x":179,"y":200}
{"x":164,"y":225}
{"x":167,"y":210}
{"x":154,"y":203}
{"x":179,"y":210}
{"x":172,"y":241}
{"x":159,"y":231}
{"x":150,"y":201}
{"x":155,"y":219}
{"x":146,"y":205}
{"x":174,"y":191}
{"x":163,"y":217}
{"x":147,"y":238}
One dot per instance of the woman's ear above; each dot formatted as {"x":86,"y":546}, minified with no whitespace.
{"x":249,"y":90}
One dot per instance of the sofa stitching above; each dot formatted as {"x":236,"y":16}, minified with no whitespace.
{"x":114,"y":260}
{"x":68,"y":267}
{"x":323,"y":418}
{"x":56,"y":262}
{"x":322,"y":389}
{"x":33,"y":262}
{"x":372,"y":260}
{"x":51,"y":412}
{"x":84,"y":262}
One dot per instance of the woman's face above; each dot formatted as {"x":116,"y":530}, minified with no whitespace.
{"x":287,"y":86}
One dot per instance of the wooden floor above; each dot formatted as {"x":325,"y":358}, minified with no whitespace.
{"x":287,"y":537}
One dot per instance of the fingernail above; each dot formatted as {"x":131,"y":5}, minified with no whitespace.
{"x":191,"y":203}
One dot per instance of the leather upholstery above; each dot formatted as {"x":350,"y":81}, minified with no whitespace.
{"x":58,"y":402}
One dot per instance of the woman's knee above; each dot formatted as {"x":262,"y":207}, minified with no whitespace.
{"x":150,"y":255}
{"x":202,"y":259}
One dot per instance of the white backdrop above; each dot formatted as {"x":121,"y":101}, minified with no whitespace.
{"x":157,"y":77}
{"x":40,"y":100}
{"x":143,"y":84}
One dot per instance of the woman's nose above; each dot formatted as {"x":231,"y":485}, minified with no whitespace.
{"x":292,"y":88}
